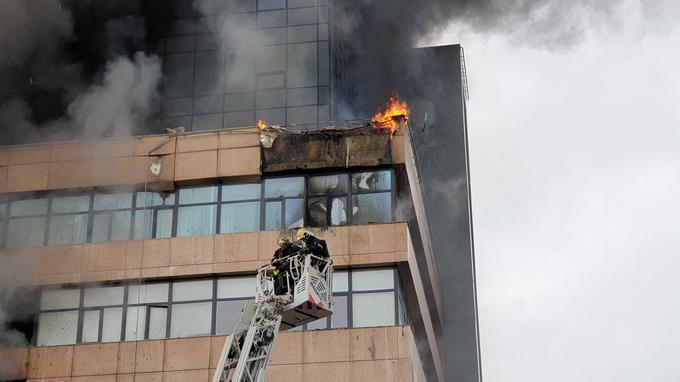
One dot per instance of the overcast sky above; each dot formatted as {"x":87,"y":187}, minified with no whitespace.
{"x":575,"y":166}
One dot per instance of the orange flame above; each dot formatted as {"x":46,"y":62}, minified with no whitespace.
{"x":261,"y":124}
{"x":389,"y":117}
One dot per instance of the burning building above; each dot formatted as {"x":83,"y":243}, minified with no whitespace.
{"x":138,"y":200}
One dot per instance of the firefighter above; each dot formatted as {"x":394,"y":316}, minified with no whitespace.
{"x":313,"y":244}
{"x":281,"y":265}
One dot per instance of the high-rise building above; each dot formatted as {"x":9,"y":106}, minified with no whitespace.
{"x":129,"y":258}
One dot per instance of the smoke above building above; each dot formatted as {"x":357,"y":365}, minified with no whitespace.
{"x":84,"y":68}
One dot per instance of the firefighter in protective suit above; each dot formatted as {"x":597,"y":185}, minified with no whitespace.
{"x":313,"y":244}
{"x":281,"y":264}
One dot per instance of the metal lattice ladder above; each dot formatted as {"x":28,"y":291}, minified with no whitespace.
{"x":246,"y":353}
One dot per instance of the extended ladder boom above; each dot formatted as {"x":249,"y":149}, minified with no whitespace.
{"x":246,"y":352}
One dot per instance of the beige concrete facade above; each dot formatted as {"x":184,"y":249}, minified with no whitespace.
{"x":357,"y":354}
{"x":363,"y":354}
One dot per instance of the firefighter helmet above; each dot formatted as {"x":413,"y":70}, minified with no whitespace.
{"x":303,"y":234}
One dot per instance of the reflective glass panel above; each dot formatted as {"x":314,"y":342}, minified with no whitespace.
{"x":100,"y":227}
{"x":340,"y":283}
{"x":28,"y":207}
{"x":295,"y":212}
{"x":120,"y":229}
{"x":192,"y":290}
{"x":278,"y":187}
{"x":111,"y":327}
{"x":236,"y":192}
{"x":26,"y":232}
{"x":240,"y":217}
{"x":228,"y":312}
{"x":149,"y":199}
{"x":59,"y":299}
{"x":272,"y":216}
{"x":143,"y":224}
{"x":196,"y":220}
{"x":158,"y":318}
{"x":191,"y":195}
{"x":372,"y":181}
{"x":372,"y":208}
{"x":67,"y":229}
{"x":192,"y":319}
{"x":135,"y":323}
{"x":373,"y":309}
{"x":67,"y":204}
{"x":103,"y":296}
{"x":157,"y":292}
{"x":339,"y":316}
{"x":113,"y":201}
{"x":328,"y":184}
{"x":90,"y":326}
{"x":235,"y":287}
{"x":164,"y":223}
{"x":57,"y":328}
{"x":372,"y":279}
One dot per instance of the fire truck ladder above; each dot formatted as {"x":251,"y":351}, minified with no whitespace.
{"x":246,"y":352}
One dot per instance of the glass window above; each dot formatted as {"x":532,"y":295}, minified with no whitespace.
{"x":192,"y":195}
{"x":371,"y":279}
{"x":271,"y":59}
{"x":177,"y":107}
{"x":69,"y":204}
{"x":302,"y":16}
{"x":372,"y":208}
{"x":120,"y":230}
{"x":302,"y":115}
{"x":238,"y":119}
{"x":302,"y":65}
{"x":113,"y":201}
{"x":209,"y":71}
{"x":207,"y":122}
{"x":340,"y":313}
{"x":236,"y":287}
{"x":158,"y":318}
{"x":26,"y":232}
{"x":28,"y":207}
{"x":340,"y":282}
{"x":150,"y":199}
{"x":90,"y":326}
{"x":271,"y":36}
{"x":111,"y":327}
{"x":240,"y":217}
{"x":281,"y":187}
{"x":239,"y":101}
{"x":271,"y":98}
{"x":103,"y":296}
{"x":372,"y":181}
{"x":143,"y":224}
{"x":271,"y":4}
{"x":272,"y":216}
{"x":196,"y":220}
{"x":57,"y":328}
{"x":240,"y":192}
{"x":301,"y":3}
{"x":270,"y":81}
{"x":145,"y":293}
{"x":271,"y":19}
{"x":191,"y":319}
{"x":318,"y":211}
{"x":228,"y":312}
{"x":59,"y":299}
{"x":164,"y":223}
{"x":178,"y":74}
{"x":318,"y":324}
{"x":100,"y":227}
{"x":67,"y":229}
{"x":328,"y":184}
{"x":302,"y":96}
{"x":209,"y":104}
{"x":135,"y":322}
{"x":272,"y":116}
{"x":192,"y":290}
{"x":295,"y":212}
{"x":372,"y":309}
{"x":304,"y":33}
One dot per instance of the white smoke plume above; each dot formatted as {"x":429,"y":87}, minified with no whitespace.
{"x":124,"y":100}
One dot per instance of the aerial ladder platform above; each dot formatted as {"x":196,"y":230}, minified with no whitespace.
{"x":246,"y":352}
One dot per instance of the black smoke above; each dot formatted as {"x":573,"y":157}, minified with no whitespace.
{"x":58,"y":56}
{"x":371,"y":38}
